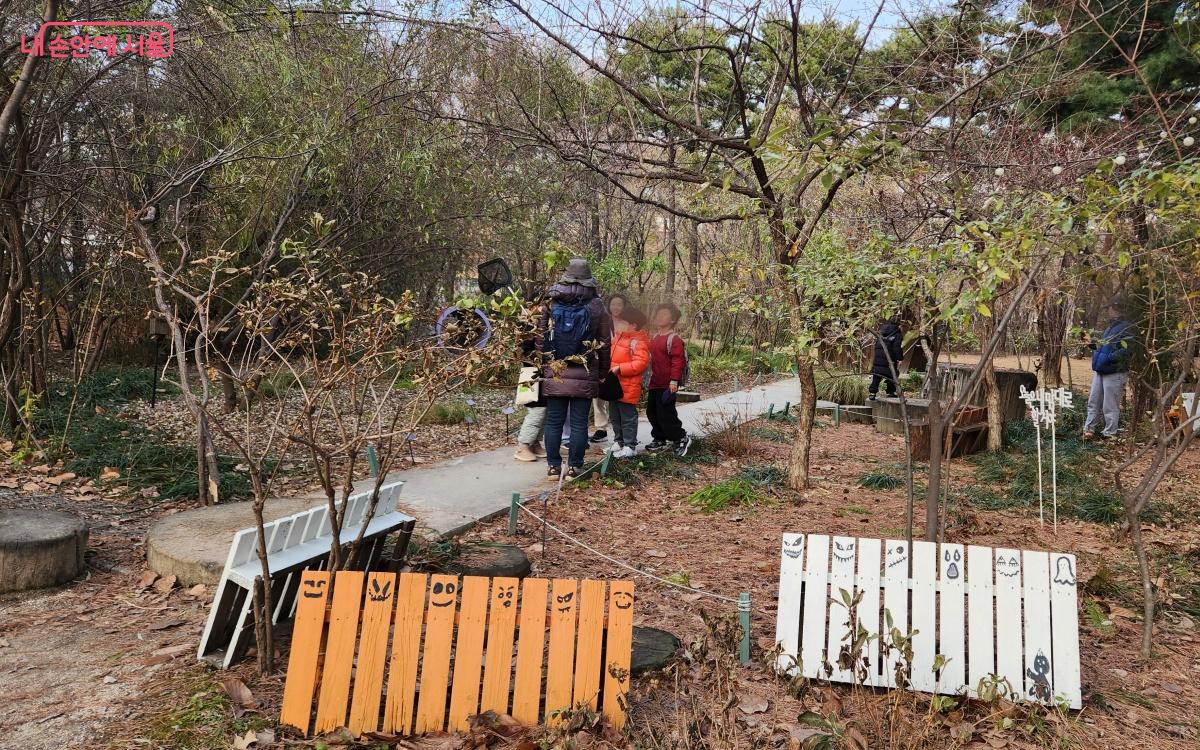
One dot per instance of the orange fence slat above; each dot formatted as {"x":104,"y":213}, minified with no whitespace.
{"x":617,"y":650}
{"x":531,"y":643}
{"x":560,"y":658}
{"x":501,"y":632}
{"x":406,"y":653}
{"x":435,"y":663}
{"x":306,"y":650}
{"x":589,"y":654}
{"x":339,"y":651}
{"x":372,"y":653}
{"x":468,"y":653}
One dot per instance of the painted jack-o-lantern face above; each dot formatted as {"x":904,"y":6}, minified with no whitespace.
{"x":897,"y":555}
{"x":314,"y":589}
{"x":378,"y":593}
{"x":1007,"y":565}
{"x":504,"y":596}
{"x":793,"y":549}
{"x":622,"y":599}
{"x":843,"y":551}
{"x":564,"y":602}
{"x":442,"y":594}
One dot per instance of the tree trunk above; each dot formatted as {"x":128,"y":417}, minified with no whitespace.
{"x":936,"y":428}
{"x":806,"y":412}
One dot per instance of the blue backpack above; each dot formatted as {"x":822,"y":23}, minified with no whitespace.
{"x":570,"y":328}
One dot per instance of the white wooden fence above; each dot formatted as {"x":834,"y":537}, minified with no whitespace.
{"x":987,"y":617}
{"x":294,"y":544}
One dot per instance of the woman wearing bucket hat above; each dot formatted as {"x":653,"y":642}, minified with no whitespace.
{"x":573,"y":338}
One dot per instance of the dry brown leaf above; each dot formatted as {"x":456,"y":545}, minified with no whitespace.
{"x":238,"y":692}
{"x":164,"y":585}
{"x":109,"y":474}
{"x":60,"y":478}
{"x":147,"y":578}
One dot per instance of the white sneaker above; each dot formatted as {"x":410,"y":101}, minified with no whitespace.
{"x":625,"y":452}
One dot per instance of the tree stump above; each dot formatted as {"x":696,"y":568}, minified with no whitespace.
{"x":40,"y":548}
{"x":652,"y":649}
{"x":490,"y":561}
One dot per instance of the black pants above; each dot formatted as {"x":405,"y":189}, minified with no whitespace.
{"x":664,"y":418}
{"x":887,"y":380}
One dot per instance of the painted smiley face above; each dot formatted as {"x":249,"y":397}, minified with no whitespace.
{"x":951,"y":560}
{"x":897,"y":555}
{"x":565,"y":601}
{"x":504,"y":596}
{"x":843,"y":551}
{"x":314,"y":589}
{"x":1007,"y":565}
{"x":442,"y":594}
{"x":793,"y":550}
{"x":622,"y":599}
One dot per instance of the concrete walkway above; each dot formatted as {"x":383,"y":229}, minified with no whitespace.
{"x":446,"y":498}
{"x":449,"y":497}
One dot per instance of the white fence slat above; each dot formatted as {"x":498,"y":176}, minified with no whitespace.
{"x":1064,"y":619}
{"x":895,"y":603}
{"x":952,"y":633}
{"x":981,"y":656}
{"x":816,"y":594}
{"x":1010,"y":661}
{"x":841,"y":590}
{"x":791,"y":589}
{"x":924,"y":615}
{"x":869,"y":552}
{"x":1038,"y":649}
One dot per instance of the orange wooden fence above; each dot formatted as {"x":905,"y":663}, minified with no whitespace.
{"x":526,"y":648}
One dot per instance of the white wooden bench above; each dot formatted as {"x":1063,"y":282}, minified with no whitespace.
{"x":990,"y":618}
{"x":294,"y":544}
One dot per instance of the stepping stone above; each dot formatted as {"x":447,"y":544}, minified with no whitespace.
{"x":193,"y":545}
{"x":652,"y":649}
{"x":40,"y":548}
{"x":491,"y":561}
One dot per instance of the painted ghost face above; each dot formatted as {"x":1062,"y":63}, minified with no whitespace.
{"x":564,"y":602}
{"x":314,"y":589}
{"x":897,"y":555}
{"x":793,"y":549}
{"x":1064,"y":571}
{"x":504,"y":596}
{"x":442,"y":594}
{"x":622,"y":599}
{"x":1007,"y":565}
{"x":377,"y":592}
{"x":951,"y":559}
{"x":843,"y":551}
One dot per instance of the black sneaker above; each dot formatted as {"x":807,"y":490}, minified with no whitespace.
{"x":656,"y":445}
{"x":553,"y":473}
{"x":681,"y":447}
{"x":572,"y":473}
{"x":599,"y":436}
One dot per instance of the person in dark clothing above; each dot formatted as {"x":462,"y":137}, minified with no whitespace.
{"x":1110,"y":373}
{"x":574,"y":338}
{"x":668,"y":360}
{"x":888,"y":343}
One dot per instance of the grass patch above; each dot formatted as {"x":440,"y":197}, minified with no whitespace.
{"x":770,"y":434}
{"x":851,"y":510}
{"x":763,"y":475}
{"x":735,"y":491}
{"x":842,"y":387}
{"x":1097,"y":619}
{"x":880,"y":480}
{"x":95,"y":435}
{"x":277,"y":384}
{"x":202,"y":721}
{"x":439,"y":413}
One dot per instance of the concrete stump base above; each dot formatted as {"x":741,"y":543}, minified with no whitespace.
{"x":40,"y":548}
{"x":652,"y":649}
{"x":490,"y":561}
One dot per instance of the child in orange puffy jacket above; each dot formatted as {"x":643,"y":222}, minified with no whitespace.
{"x":630,"y":356}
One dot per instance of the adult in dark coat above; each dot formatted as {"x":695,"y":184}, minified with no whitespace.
{"x":570,"y":384}
{"x":887,"y":344}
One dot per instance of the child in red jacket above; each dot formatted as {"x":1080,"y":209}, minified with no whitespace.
{"x":668,"y":359}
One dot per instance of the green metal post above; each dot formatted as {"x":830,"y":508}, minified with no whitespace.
{"x":373,"y":460}
{"x":744,"y":619}
{"x":512,"y":514}
{"x":787,"y":408}
{"x":770,"y":411}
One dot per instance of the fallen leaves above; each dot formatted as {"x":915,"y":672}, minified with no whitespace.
{"x":239,"y":693}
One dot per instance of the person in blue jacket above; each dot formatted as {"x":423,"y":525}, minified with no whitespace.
{"x":1110,"y":372}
